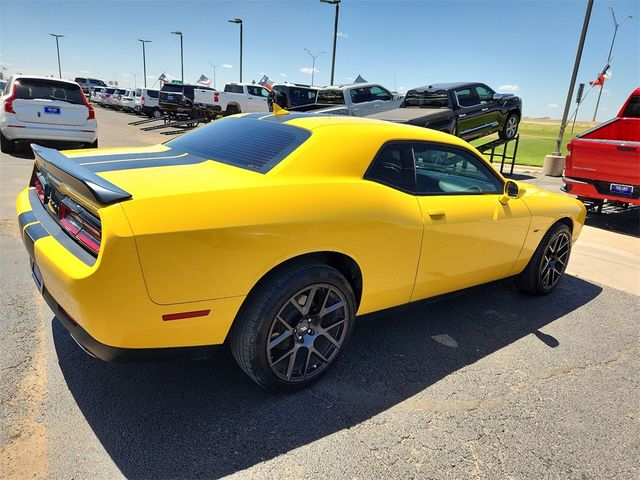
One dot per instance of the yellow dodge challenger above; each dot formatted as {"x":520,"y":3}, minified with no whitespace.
{"x":271,"y":232}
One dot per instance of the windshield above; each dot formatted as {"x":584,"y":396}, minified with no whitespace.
{"x":427,"y":99}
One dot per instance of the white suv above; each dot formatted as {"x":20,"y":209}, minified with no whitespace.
{"x":147,"y":102}
{"x":127,"y":100}
{"x":42,"y":108}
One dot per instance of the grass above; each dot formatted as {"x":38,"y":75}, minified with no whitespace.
{"x":537,"y":139}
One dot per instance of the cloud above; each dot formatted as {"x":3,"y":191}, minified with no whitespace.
{"x":283,"y":75}
{"x":226,"y":65}
{"x":86,"y":72}
{"x":349,"y":78}
{"x":553,"y":105}
{"x":508,"y":88}
{"x":309,"y":71}
{"x":343,"y":35}
{"x":125,"y":75}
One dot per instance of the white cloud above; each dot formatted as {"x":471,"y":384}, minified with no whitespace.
{"x":349,"y":78}
{"x":283,"y":75}
{"x":342,"y":34}
{"x":226,"y":65}
{"x":309,"y":71}
{"x":86,"y":72}
{"x":508,"y":88}
{"x":553,"y":105}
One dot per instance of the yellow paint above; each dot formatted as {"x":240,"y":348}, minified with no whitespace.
{"x":197,"y":237}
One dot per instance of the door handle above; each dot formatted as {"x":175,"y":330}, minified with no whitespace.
{"x":436,"y":212}
{"x":485,"y":109}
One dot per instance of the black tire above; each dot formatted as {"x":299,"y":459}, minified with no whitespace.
{"x":232,"y":109}
{"x":510,"y":128}
{"x":6,"y":145}
{"x":548,"y":263}
{"x":267,"y":336}
{"x":156,"y":113}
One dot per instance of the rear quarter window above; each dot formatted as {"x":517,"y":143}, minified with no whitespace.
{"x":49,"y":90}
{"x":233,"y":89}
{"x":153,"y":93}
{"x":251,"y":144}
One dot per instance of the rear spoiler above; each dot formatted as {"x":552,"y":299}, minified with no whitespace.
{"x":78,"y":178}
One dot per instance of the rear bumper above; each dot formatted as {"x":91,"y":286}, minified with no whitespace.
{"x":595,"y":190}
{"x":16,"y":130}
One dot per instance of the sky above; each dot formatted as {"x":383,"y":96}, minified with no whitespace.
{"x":525,"y":47}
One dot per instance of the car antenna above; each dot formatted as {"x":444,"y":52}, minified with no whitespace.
{"x":278,"y":110}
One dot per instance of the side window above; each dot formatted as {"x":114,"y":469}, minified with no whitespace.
{"x":444,"y":170}
{"x":378,"y":93}
{"x":257,"y":91}
{"x":360,"y":95}
{"x":467,"y":97}
{"x":393,"y":166}
{"x":484,"y":94}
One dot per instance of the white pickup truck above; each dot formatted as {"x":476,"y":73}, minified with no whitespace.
{"x":242,"y":98}
{"x":358,"y":100}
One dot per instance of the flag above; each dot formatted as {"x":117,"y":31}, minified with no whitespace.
{"x":602,"y":77}
{"x":164,"y":78}
{"x":265,"y":82}
{"x":203,"y":81}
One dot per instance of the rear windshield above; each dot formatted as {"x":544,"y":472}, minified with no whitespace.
{"x":172,"y":88}
{"x":633,"y":107}
{"x":50,"y":90}
{"x":95,"y":81}
{"x":426,"y":99}
{"x":331,"y":96}
{"x":109,"y":90}
{"x":256,"y":145}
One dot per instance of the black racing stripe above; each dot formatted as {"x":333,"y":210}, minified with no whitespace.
{"x":120,"y":156}
{"x":26,"y":218}
{"x":293,"y":116}
{"x":36,"y":232}
{"x":188,"y":159}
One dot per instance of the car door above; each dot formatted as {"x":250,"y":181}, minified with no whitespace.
{"x":257,"y":98}
{"x":489,"y":109}
{"x":471,"y":121}
{"x":380,"y":101}
{"x":360,"y":98}
{"x":470,"y":237}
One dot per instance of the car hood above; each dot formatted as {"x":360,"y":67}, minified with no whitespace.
{"x":160,"y":171}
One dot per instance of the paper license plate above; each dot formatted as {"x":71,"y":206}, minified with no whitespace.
{"x":37,"y":277}
{"x":52,"y":110}
{"x":621,"y":189}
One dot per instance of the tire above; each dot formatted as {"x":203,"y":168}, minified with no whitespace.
{"x":548,"y":263}
{"x":279,"y":345}
{"x":510,"y":128}
{"x":6,"y":145}
{"x":156,"y":113}
{"x":232,"y":110}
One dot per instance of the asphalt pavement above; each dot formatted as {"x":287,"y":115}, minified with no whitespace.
{"x":489,"y":384}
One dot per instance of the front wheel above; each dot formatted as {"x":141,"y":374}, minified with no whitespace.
{"x":548,"y":263}
{"x":510,"y":127}
{"x":294,"y":326}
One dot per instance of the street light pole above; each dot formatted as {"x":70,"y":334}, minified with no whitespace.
{"x":214,"y":71}
{"x":335,"y":35}
{"x":239,"y":22}
{"x":313,"y":66}
{"x":58,"y":50}
{"x":181,"y":57}
{"x":144,"y":60}
{"x":616,"y":25}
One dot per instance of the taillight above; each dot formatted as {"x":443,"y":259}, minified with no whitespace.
{"x":92,"y":113}
{"x":216,"y":96}
{"x":8,"y":102}
{"x":39,"y":189}
{"x":142,"y":101}
{"x":81,"y":225}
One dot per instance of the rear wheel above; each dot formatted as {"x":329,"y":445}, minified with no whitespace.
{"x":156,"y":113}
{"x":294,"y":326}
{"x":510,"y":127}
{"x":548,"y":263}
{"x":6,"y":145}
{"x":232,"y":109}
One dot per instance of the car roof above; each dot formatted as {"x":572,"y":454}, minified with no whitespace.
{"x":447,"y":86}
{"x":40,"y":77}
{"x":351,"y":85}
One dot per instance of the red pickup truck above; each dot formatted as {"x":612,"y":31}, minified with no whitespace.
{"x":604,"y":163}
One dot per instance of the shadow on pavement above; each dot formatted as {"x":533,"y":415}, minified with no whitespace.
{"x":207,"y":419}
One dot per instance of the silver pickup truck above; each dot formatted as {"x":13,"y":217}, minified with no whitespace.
{"x":357,"y":99}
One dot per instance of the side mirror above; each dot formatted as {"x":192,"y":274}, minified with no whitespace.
{"x":512,"y":190}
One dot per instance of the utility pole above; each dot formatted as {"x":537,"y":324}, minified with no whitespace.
{"x":144,"y":61}
{"x":335,"y":36}
{"x":313,"y":65}
{"x":616,"y":25}
{"x":58,"y":50}
{"x":239,"y":22}
{"x":181,"y":57}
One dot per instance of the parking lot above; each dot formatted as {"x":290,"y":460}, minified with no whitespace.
{"x":489,"y":384}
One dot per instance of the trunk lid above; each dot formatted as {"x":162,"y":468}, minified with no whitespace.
{"x":50,"y":112}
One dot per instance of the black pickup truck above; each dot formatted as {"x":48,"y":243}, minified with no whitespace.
{"x":467,"y":110}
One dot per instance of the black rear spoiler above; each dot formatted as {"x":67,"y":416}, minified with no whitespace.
{"x":78,"y":178}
